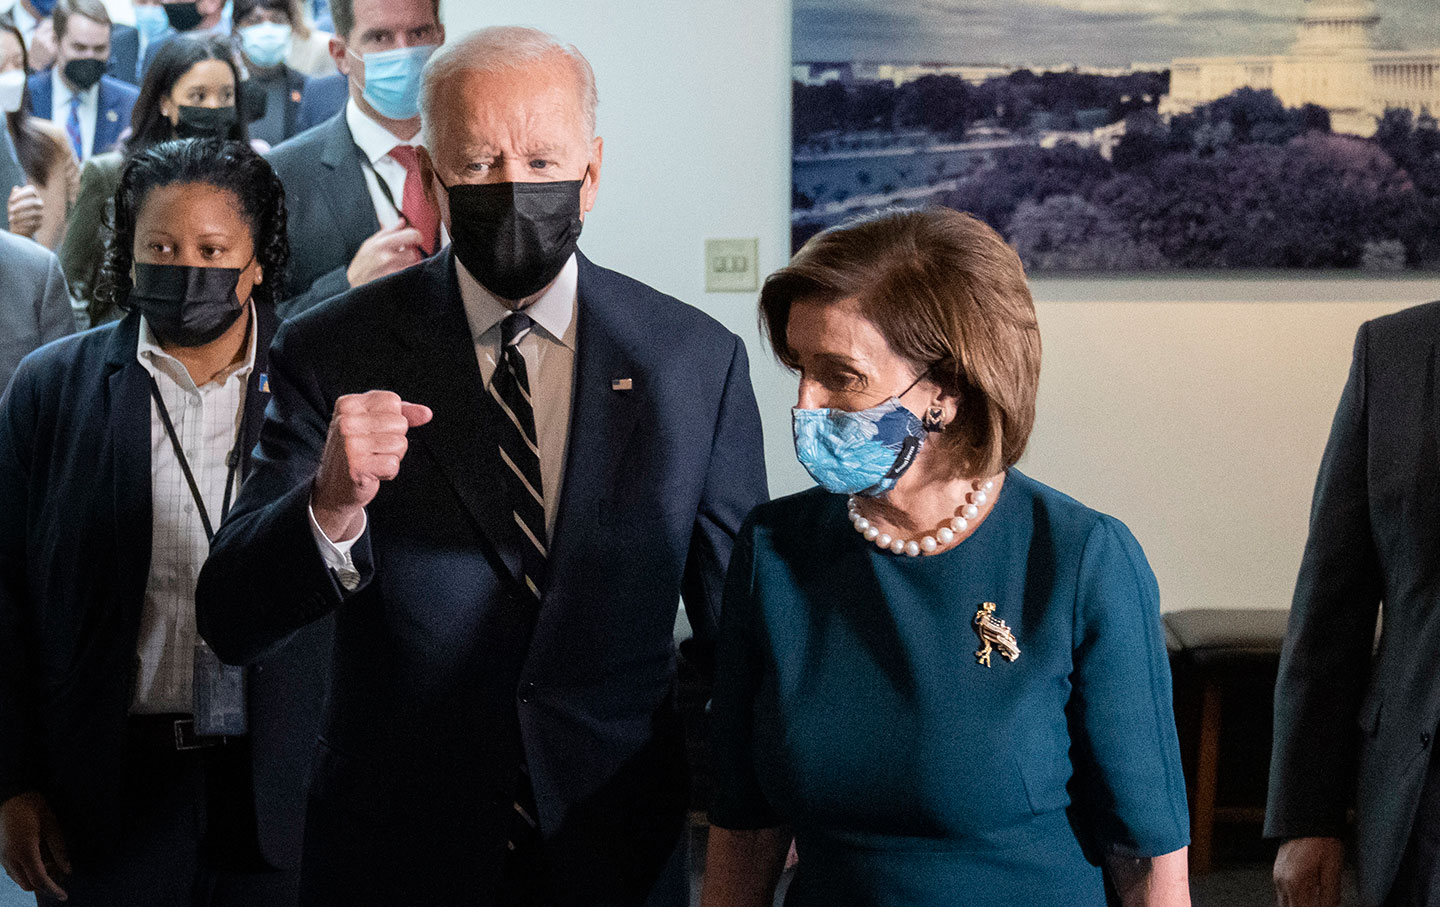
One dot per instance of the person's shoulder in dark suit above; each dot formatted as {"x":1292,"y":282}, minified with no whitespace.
{"x":324,"y":97}
{"x":1416,"y":327}
{"x":41,"y":94}
{"x":124,"y":54}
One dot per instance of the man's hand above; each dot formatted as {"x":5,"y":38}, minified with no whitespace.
{"x":42,"y":46}
{"x":364,"y":448}
{"x":389,"y":250}
{"x":26,"y":209}
{"x":1307,"y":872}
{"x":32,"y":850}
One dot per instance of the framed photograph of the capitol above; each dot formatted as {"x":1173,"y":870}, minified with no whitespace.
{"x":1131,"y":135}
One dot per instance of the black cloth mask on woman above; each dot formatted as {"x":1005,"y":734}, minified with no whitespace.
{"x":204,"y":122}
{"x":84,"y":74}
{"x":183,"y":16}
{"x":187,"y":306}
{"x":515,"y":237}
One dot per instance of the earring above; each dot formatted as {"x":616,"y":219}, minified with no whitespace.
{"x":931,"y":422}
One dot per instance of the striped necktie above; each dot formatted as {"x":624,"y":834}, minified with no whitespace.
{"x":520,"y":452}
{"x":72,"y":128}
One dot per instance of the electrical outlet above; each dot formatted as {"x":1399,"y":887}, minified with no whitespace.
{"x":730,"y":265}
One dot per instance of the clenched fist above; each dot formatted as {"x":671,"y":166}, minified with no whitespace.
{"x":32,"y":849}
{"x":1307,"y":872}
{"x":364,"y":447}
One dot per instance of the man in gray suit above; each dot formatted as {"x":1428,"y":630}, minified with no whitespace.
{"x":1351,"y":720}
{"x":34,"y":304}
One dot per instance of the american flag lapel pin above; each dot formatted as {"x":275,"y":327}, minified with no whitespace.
{"x":622,"y":384}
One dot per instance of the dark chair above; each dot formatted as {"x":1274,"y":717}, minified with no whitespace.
{"x":1215,"y":651}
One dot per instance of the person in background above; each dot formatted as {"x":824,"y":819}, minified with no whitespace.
{"x":12,"y":175}
{"x":325,"y":96}
{"x":32,"y":17}
{"x":502,"y":727}
{"x":309,"y":46}
{"x":948,"y":680}
{"x":186,"y":17}
{"x":135,"y":769}
{"x":263,"y":32}
{"x":1356,"y":716}
{"x":39,"y":208}
{"x":152,"y":25}
{"x":189,"y":91}
{"x":34,"y":307}
{"x":358,"y":207}
{"x":91,"y":107}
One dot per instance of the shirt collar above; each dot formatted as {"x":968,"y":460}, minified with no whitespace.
{"x":24,"y":21}
{"x":553,"y":309}
{"x":374,"y":140}
{"x":63,"y":93}
{"x":153,"y":358}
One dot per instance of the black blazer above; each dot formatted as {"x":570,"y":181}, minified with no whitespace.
{"x":1374,"y":537}
{"x":75,"y":511}
{"x":328,"y":209}
{"x":438,"y":681}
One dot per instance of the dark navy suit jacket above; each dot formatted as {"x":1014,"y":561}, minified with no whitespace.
{"x":1353,"y":724}
{"x":112,"y":116}
{"x":75,"y":537}
{"x":328,"y":209}
{"x":124,"y":54}
{"x":438,"y":680}
{"x":325,"y":96}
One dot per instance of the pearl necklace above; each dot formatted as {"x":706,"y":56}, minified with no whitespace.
{"x":975,"y":500}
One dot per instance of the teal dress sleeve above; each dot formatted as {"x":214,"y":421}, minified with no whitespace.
{"x":1121,"y":717}
{"x":738,"y":802}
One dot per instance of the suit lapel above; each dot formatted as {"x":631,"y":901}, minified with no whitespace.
{"x":257,"y":388}
{"x":602,"y":414}
{"x":343,"y":186}
{"x":128,"y":430}
{"x":461,"y":437}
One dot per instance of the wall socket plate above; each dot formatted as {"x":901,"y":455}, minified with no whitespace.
{"x":731,"y":266}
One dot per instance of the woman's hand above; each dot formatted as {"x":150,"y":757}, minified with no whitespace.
{"x":742,"y":868}
{"x":26,"y":210}
{"x":1162,"y":881}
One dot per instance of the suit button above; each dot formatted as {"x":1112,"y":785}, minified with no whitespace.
{"x":1425,"y":740}
{"x":527,"y":690}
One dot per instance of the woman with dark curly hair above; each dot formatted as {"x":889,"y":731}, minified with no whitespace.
{"x":135,"y":768}
{"x":188,"y":92}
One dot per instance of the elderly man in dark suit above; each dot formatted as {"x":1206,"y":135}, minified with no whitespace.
{"x":1374,"y":542}
{"x":357,"y":206}
{"x":34,"y":304}
{"x":500,"y":471}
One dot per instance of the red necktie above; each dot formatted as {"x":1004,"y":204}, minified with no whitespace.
{"x":418,"y":210}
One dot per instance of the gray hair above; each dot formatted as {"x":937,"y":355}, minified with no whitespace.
{"x":498,"y":48}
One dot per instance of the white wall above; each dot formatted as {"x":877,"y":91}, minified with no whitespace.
{"x":1195,"y":410}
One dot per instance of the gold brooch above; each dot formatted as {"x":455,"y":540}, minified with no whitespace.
{"x":993,"y":635}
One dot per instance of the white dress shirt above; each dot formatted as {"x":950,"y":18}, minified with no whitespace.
{"x":25,"y":22}
{"x":549,"y":354}
{"x":206,"y":420}
{"x":375,"y":142}
{"x":89,"y":110}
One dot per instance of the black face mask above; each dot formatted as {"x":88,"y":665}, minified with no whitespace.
{"x":84,"y":74}
{"x":186,"y":306}
{"x":182,"y":16}
{"x":515,"y":237}
{"x":204,"y":122}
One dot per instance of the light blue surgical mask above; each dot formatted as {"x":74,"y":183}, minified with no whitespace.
{"x":265,"y":43}
{"x":392,"y":80}
{"x":151,"y":22}
{"x":858,"y":452}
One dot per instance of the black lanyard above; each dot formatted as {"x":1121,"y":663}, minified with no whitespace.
{"x":379,"y":180}
{"x":232,"y":461}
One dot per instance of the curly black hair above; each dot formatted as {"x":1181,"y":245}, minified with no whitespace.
{"x":232,"y":166}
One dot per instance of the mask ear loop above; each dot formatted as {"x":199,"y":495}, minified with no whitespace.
{"x":931,"y":421}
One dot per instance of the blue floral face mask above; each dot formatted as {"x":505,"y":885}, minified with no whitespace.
{"x":861,"y":452}
{"x":392,"y":80}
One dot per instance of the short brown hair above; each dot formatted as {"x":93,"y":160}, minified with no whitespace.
{"x":342,"y":16}
{"x":948,"y":295}
{"x":90,"y":9}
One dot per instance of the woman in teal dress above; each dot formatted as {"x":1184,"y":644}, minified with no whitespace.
{"x":945,"y":679}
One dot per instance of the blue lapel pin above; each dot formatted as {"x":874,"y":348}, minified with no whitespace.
{"x":264,"y":383}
